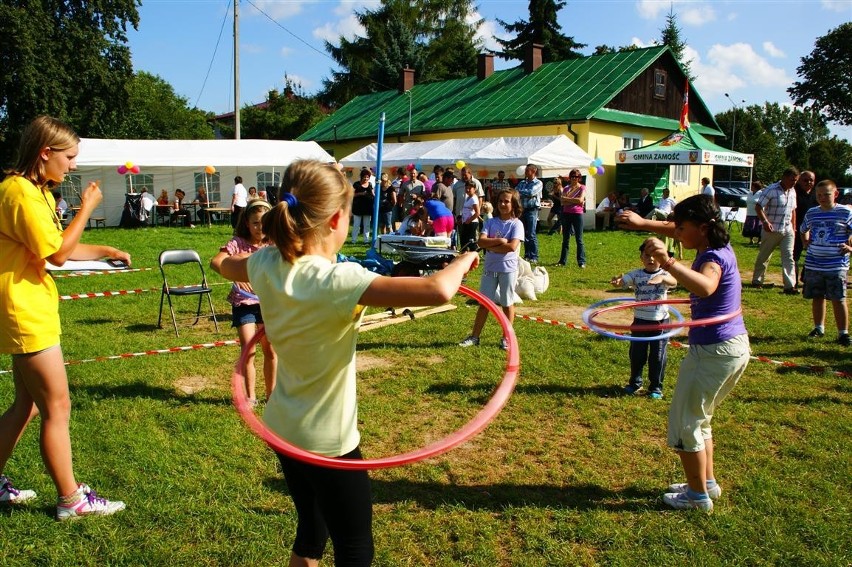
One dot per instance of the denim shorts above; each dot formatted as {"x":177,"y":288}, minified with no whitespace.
{"x":245,"y":315}
{"x":830,"y":285}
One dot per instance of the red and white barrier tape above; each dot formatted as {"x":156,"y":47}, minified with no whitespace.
{"x":99,"y":272}
{"x":678,"y":344}
{"x":104,"y":293}
{"x":232,"y":342}
{"x":124,"y":292}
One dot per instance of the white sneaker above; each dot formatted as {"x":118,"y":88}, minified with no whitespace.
{"x":682,"y":501}
{"x":11,"y":495}
{"x":504,"y":343}
{"x":470,"y":341}
{"x":89,"y":504}
{"x":714,"y":492}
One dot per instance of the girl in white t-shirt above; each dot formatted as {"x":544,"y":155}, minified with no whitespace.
{"x":312,"y":308}
{"x":501,"y":237}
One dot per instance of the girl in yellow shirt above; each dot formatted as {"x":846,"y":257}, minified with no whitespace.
{"x":30,"y":235}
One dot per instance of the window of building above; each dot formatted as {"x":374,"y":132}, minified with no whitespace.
{"x":631,"y":141}
{"x":211,"y":183}
{"x":133,"y":183}
{"x":268,"y":181}
{"x":659,"y":83}
{"x":70,"y":188}
{"x":680,"y":174}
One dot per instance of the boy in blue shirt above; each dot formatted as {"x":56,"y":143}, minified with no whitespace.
{"x":825,"y":233}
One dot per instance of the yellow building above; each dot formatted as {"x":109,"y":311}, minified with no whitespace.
{"x":604,"y":103}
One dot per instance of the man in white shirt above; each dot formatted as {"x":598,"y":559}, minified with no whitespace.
{"x":239,"y":200}
{"x":664,"y":207}
{"x":707,"y":189}
{"x":607,"y":210}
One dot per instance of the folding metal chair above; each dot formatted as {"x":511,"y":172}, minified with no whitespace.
{"x":730,"y":218}
{"x":178,"y":257}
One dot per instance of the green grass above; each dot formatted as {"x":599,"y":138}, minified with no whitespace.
{"x":570,"y":473}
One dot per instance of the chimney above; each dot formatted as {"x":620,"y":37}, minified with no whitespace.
{"x":484,"y":66}
{"x":532,"y":57}
{"x":406,"y":80}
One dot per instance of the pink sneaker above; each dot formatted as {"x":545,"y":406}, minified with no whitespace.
{"x":89,"y":504}
{"x":11,"y":495}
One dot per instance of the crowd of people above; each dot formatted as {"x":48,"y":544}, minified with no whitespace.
{"x":286,"y":256}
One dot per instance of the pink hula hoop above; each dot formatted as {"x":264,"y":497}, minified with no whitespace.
{"x":479,"y":422}
{"x":663,"y":326}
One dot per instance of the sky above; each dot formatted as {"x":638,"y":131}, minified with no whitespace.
{"x":749,"y":49}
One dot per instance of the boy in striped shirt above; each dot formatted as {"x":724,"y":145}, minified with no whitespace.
{"x":826,"y":235}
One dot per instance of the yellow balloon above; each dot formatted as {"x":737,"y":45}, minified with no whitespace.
{"x":460,"y":164}
{"x":128,"y":165}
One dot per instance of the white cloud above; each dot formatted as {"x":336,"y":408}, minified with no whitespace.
{"x":348,"y":27}
{"x":299,"y":80}
{"x":486,"y":31}
{"x":697,"y":16}
{"x":286,"y":51}
{"x":771,"y":50}
{"x":729,"y":67}
{"x":278,"y":10}
{"x":837,"y":5}
{"x":650,"y":9}
{"x":639,"y":43}
{"x":346,"y":7}
{"x":688,"y":12}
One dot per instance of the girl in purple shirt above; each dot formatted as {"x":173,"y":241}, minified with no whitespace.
{"x":718,"y":354}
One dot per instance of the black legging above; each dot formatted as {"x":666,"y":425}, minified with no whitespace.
{"x":331,"y":502}
{"x":235,"y":216}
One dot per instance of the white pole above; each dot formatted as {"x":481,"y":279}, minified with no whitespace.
{"x":236,"y":69}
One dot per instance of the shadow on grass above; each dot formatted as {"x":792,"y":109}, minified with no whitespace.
{"x":498,"y":497}
{"x":140,"y":390}
{"x":601,"y":391}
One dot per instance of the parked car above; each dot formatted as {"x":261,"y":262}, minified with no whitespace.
{"x":733,"y":195}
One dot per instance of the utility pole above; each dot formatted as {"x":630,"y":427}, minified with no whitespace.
{"x":733,"y":135}
{"x":236,"y":69}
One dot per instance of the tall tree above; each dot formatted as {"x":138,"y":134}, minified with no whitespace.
{"x":283,"y":117}
{"x":831,"y":158}
{"x":156,"y":112}
{"x":827,"y":76}
{"x":402,"y":33}
{"x":542,"y":28}
{"x":671,"y":37}
{"x":66,"y":58}
{"x":752,"y":138}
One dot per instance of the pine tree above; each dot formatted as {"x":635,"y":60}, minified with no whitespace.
{"x":671,"y":37}
{"x":541,"y":28}
{"x":432,"y":37}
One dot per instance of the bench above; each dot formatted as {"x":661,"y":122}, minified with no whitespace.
{"x":99,"y":222}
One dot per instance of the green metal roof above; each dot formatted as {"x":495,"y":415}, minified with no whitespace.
{"x":648,"y":121}
{"x":557,"y":92}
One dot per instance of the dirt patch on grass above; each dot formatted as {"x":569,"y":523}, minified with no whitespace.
{"x":192,"y":384}
{"x":366,"y":361}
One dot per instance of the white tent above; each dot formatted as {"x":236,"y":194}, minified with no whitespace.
{"x":554,"y":155}
{"x":180,"y":164}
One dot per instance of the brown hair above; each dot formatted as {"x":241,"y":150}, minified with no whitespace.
{"x":517,"y":209}
{"x":312,"y":192}
{"x":243,"y":222}
{"x":43,"y":132}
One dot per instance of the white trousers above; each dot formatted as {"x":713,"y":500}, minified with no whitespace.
{"x":768,"y":243}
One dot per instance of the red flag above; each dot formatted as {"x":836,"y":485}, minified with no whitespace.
{"x":684,"y":114}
